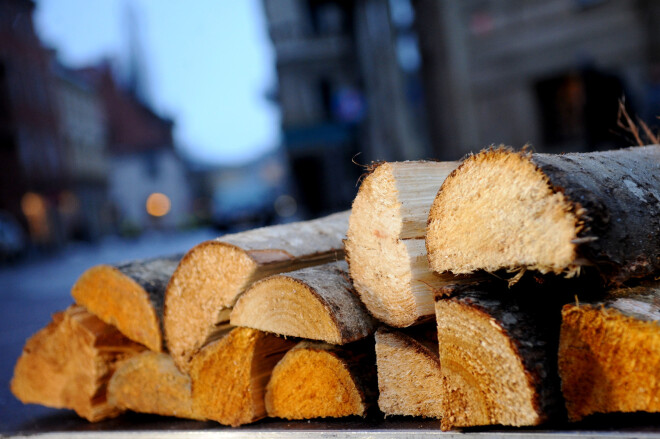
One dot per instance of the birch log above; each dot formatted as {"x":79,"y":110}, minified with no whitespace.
{"x":129,"y":296}
{"x":316,"y":303}
{"x":212,"y":275}
{"x":385,"y":241}
{"x":68,"y":364}
{"x":150,"y":383}
{"x":319,"y":380}
{"x":497,"y":365}
{"x":229,"y":376}
{"x":409,"y":377}
{"x":552,"y":213}
{"x":609,"y":353}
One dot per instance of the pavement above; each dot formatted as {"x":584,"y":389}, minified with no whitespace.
{"x":33,"y":289}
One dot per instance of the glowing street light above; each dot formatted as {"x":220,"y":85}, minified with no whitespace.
{"x":158,"y":204}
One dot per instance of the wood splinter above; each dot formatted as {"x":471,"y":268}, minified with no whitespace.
{"x":385,"y":245}
{"x":495,"y":363}
{"x":68,"y":364}
{"x":150,"y":383}
{"x":316,"y":303}
{"x":552,"y":213}
{"x":212,"y":275}
{"x":129,"y":296}
{"x":229,"y":376}
{"x":609,"y":353}
{"x":318,"y":380}
{"x":409,"y":377}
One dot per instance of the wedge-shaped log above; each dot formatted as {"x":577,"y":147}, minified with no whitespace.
{"x":316,"y":303}
{"x":319,"y":380}
{"x":409,"y":377}
{"x":129,"y":296}
{"x":229,"y":376}
{"x":212,"y":275}
{"x":609,"y":353}
{"x":68,"y":364}
{"x":385,"y":241}
{"x":150,"y":383}
{"x":495,"y":363}
{"x":552,"y":213}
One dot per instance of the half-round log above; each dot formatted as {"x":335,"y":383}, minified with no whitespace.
{"x":318,"y":380}
{"x":316,"y":303}
{"x":552,"y":213}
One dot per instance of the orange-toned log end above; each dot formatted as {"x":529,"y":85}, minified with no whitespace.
{"x":608,"y":361}
{"x":150,"y":383}
{"x":119,"y":301}
{"x":409,"y":378}
{"x":486,"y":379}
{"x":314,"y":381}
{"x":229,"y":375}
{"x":68,"y":364}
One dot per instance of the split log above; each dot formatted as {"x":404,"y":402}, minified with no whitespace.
{"x":409,"y":377}
{"x":212,"y":275}
{"x":229,"y":376}
{"x":319,"y":380}
{"x":129,"y":296}
{"x":150,"y":383}
{"x":552,"y":213}
{"x":316,"y":303}
{"x":68,"y":364}
{"x":385,"y":241}
{"x":496,"y":364}
{"x":609,"y":353}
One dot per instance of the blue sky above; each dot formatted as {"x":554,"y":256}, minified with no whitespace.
{"x":208,"y":65}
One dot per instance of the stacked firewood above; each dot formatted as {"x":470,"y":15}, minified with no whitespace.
{"x":509,"y":289}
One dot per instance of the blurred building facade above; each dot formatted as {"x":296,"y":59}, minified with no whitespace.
{"x":84,"y":205}
{"x":549,"y":73}
{"x":32,"y":171}
{"x":80,"y":155}
{"x":142,"y":160}
{"x":341,"y":91}
{"x":443,"y":78}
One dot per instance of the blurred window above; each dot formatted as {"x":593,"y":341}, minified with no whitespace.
{"x":581,"y":106}
{"x":151,"y":165}
{"x":328,"y":17}
{"x":561,"y":102}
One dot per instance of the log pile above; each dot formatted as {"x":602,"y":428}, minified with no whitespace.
{"x":510,"y":289}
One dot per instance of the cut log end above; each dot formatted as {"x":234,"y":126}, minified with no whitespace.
{"x":68,"y":364}
{"x":119,"y":301}
{"x":393,"y":201}
{"x":608,"y":359}
{"x":381,"y":275}
{"x":409,"y":378}
{"x":498,"y":210}
{"x":485,"y":378}
{"x":229,"y":376}
{"x":385,"y":240}
{"x":393,"y":279}
{"x":316,"y":303}
{"x":204,"y":285}
{"x":313,"y":381}
{"x":150,"y":383}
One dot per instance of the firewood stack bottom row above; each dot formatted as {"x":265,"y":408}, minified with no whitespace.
{"x":509,"y":289}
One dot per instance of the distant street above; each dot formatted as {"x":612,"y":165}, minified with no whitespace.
{"x":32,"y":290}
